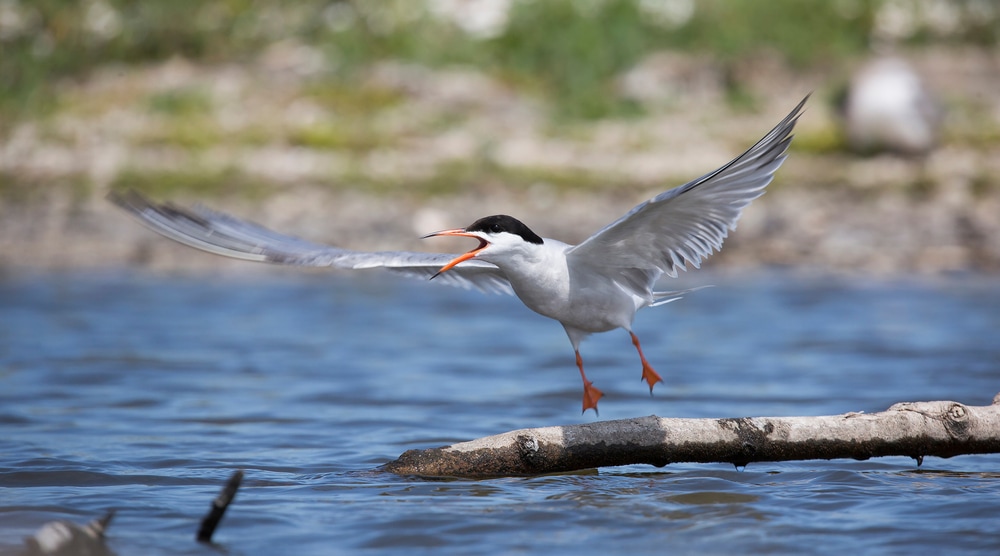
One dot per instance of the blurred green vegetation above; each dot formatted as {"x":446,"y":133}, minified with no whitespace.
{"x":206,"y":182}
{"x":568,"y":51}
{"x":448,"y":178}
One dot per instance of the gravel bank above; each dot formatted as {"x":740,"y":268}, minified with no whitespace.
{"x":415,"y":150}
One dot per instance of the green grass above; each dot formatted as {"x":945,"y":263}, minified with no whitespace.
{"x":336,"y":137}
{"x":180,"y":102}
{"x":57,"y":40}
{"x":568,"y":51}
{"x":197,"y":181}
{"x":828,"y":139}
{"x":191,"y":134}
{"x":481,"y":174}
{"x":804,"y":32}
{"x":346,"y":96}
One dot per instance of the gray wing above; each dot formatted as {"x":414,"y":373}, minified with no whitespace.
{"x":221,"y":234}
{"x":688,"y":223}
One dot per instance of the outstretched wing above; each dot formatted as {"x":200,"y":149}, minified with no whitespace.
{"x":688,"y":223}
{"x":226,"y":235}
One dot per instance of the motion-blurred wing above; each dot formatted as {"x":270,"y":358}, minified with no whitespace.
{"x":229,"y":236}
{"x":688,"y":223}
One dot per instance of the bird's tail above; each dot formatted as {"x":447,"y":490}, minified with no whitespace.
{"x":662,"y":298}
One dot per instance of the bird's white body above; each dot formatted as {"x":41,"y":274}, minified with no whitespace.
{"x":575,"y":295}
{"x":595,"y":286}
{"x":539,"y":275}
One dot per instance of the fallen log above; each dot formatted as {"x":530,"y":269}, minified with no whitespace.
{"x":917,"y":429}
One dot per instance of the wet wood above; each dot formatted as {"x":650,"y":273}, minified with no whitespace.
{"x":219,"y":506}
{"x":65,"y":537}
{"x":917,"y":429}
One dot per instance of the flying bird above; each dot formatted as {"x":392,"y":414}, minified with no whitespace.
{"x":595,"y":286}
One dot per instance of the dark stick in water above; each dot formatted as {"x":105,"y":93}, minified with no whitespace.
{"x":219,"y":505}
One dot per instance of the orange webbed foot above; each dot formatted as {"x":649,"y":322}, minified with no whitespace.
{"x":651,"y":377}
{"x":590,"y":396}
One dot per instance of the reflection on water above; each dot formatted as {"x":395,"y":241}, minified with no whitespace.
{"x":143,"y":394}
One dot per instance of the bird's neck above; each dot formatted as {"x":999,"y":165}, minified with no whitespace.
{"x":537,"y":271}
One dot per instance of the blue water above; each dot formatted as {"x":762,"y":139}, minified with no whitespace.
{"x":144,"y":393}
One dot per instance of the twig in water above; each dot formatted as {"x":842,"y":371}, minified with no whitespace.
{"x":219,"y":505}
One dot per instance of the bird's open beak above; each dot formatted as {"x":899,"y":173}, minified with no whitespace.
{"x":459,"y":232}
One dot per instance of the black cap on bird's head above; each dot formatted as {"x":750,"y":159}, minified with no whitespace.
{"x":481,"y":230}
{"x":499,"y":223}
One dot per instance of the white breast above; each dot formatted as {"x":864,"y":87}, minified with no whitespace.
{"x":576,"y":297}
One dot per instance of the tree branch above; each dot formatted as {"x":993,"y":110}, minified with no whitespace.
{"x":918,"y":429}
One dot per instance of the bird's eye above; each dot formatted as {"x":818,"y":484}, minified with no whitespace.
{"x":497,"y":229}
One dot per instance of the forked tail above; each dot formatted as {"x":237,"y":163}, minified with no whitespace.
{"x":662,"y":298}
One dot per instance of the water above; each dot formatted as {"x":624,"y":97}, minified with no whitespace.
{"x":144,"y":393}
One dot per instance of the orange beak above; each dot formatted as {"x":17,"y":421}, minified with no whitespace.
{"x":459,"y":232}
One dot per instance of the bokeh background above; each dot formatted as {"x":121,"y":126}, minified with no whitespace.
{"x":133,"y":376}
{"x":371,"y":123}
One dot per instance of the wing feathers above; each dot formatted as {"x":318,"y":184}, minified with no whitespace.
{"x":225,"y":235}
{"x":685,"y":225}
{"x":674,"y":229}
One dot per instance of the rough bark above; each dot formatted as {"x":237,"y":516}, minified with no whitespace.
{"x":917,"y":429}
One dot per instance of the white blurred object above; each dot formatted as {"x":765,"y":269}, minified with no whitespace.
{"x":483,"y":19}
{"x":889,"y":108}
{"x":67,"y":538}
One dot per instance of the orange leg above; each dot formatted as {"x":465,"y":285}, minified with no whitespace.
{"x":590,"y":393}
{"x":648,"y":374}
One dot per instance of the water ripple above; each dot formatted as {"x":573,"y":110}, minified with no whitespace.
{"x":147,"y":392}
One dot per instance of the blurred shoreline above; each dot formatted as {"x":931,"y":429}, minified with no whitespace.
{"x":446,"y":146}
{"x":833,"y":230}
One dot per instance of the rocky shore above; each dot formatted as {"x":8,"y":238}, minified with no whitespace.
{"x":411,"y":150}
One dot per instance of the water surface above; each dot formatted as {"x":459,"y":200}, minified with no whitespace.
{"x":144,"y":393}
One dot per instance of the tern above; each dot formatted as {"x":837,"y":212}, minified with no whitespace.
{"x":595,"y":286}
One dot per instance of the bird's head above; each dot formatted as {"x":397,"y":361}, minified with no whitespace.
{"x":499,"y":236}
